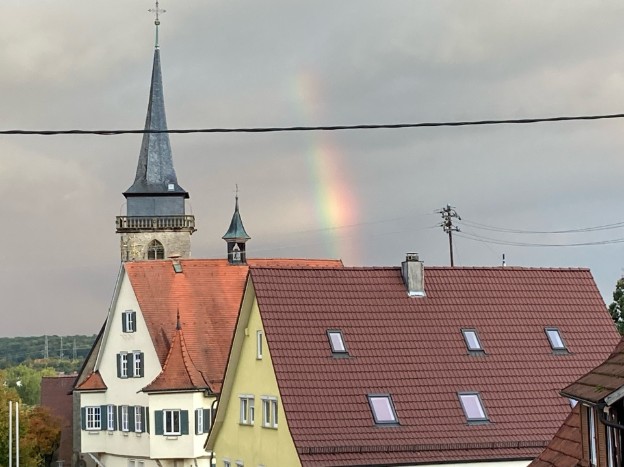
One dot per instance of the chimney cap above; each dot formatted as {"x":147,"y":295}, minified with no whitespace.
{"x":411,"y":257}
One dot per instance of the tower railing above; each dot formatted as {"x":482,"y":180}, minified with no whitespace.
{"x":140,"y":223}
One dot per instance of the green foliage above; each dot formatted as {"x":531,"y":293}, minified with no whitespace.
{"x":27,"y":382}
{"x":616,"y":309}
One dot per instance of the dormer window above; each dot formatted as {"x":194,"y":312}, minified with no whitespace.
{"x":555,"y":339}
{"x":170,"y":187}
{"x":383,"y":409}
{"x":473,"y":407}
{"x":472,"y":340}
{"x":336,"y":342}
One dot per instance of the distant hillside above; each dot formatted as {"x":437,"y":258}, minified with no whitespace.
{"x":63,"y":352}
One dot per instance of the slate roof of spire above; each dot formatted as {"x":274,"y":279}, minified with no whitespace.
{"x":236,"y":230}
{"x":155,"y":168}
{"x":413,"y":349}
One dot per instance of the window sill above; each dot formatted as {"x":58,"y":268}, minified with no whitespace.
{"x":172,"y":437}
{"x":270,"y":427}
{"x":91,"y":432}
{"x":110,"y":433}
{"x":245,"y":424}
{"x":125,"y":433}
{"x":138,"y":435}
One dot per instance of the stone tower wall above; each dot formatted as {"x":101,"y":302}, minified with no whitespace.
{"x":134,"y":245}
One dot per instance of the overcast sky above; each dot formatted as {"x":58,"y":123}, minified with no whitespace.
{"x":367,"y":197}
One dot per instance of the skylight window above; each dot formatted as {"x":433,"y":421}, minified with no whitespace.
{"x":382,"y":408}
{"x":336,"y":342}
{"x":472,"y":340}
{"x":555,"y":339}
{"x":473,"y":407}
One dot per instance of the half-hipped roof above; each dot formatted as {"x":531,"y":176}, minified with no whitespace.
{"x":413,"y":350}
{"x":207,"y":294}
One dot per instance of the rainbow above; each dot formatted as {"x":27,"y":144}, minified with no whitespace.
{"x":335,"y":204}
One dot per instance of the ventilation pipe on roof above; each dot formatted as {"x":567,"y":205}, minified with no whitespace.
{"x":413,"y":272}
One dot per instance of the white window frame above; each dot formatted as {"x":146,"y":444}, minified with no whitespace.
{"x":130,"y":325}
{"x":269,"y":411}
{"x":240,"y":464}
{"x":136,"y":364}
{"x":259,"y":338}
{"x":467,"y":397}
{"x":110,"y":417}
{"x":93,"y":417}
{"x":227,"y":463}
{"x":125,"y":422}
{"x":247,"y":409}
{"x":372,"y":398}
{"x":169,"y":415}
{"x":591,"y":426}
{"x":123,"y":365}
{"x":138,"y":419}
{"x":199,"y":429}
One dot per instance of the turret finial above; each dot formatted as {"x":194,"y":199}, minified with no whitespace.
{"x":157,"y":11}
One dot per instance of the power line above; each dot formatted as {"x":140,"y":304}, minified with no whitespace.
{"x":478,"y":238}
{"x":477,"y":225}
{"x":383,"y":126}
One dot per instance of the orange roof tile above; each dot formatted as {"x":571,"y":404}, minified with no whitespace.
{"x":179,"y":372}
{"x":94,"y":382}
{"x":413,"y":349}
{"x":207,"y":293}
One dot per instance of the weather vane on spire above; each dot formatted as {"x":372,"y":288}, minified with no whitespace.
{"x":157,"y":11}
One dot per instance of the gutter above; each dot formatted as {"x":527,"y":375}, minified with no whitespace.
{"x":604,"y":421}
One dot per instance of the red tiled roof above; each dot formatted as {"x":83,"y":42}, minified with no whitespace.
{"x":94,"y":382}
{"x":565,"y":449}
{"x":208,"y":294}
{"x":412,"y":348}
{"x":179,"y":372}
{"x":601,"y":381}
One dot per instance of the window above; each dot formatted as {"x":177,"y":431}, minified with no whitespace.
{"x":94,"y":418}
{"x":138,"y":419}
{"x":591,"y":425}
{"x":555,"y":339}
{"x":137,"y":364}
{"x":269,"y":412}
{"x":122,"y":365}
{"x":246,"y":410}
{"x":382,"y":408}
{"x":128,"y":321}
{"x":226,"y":463}
{"x":336,"y":342}
{"x":125,"y":422}
{"x":472,"y":340}
{"x":236,"y":253}
{"x":203,"y":419}
{"x":259,"y":345}
{"x":110,"y":417}
{"x":239,"y":464}
{"x":155,"y":250}
{"x":473,"y":408}
{"x":171,"y":422}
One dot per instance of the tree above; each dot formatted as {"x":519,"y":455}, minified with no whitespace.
{"x":616,"y":309}
{"x":43,"y":435}
{"x":27,"y":382}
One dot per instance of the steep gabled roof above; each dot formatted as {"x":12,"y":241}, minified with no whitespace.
{"x":565,"y":449}
{"x":413,"y":349}
{"x":93,"y":382}
{"x":602,"y":381}
{"x":207,"y":293}
{"x":179,"y":372}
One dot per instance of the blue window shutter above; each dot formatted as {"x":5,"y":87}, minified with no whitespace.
{"x":197,"y":422}
{"x":134,"y":323}
{"x":118,"y":365}
{"x":184,"y":422}
{"x":83,"y":418}
{"x":207,"y":420}
{"x":158,"y":422}
{"x":124,"y":327}
{"x":119,"y":417}
{"x":131,"y":418}
{"x":146,"y":419}
{"x":103,"y":417}
{"x":114,"y":417}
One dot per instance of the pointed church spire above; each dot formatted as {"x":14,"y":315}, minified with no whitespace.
{"x":156,"y":225}
{"x":236,"y":237}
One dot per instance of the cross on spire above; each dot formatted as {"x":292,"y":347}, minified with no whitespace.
{"x":157,"y":11}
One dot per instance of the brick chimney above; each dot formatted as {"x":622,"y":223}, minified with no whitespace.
{"x":413,"y":272}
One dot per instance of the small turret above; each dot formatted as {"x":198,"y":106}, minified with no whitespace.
{"x":236,"y":237}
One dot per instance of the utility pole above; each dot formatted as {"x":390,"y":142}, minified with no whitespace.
{"x":448,"y":214}
{"x":46,"y":353}
{"x":74,"y":350}
{"x":61,"y":350}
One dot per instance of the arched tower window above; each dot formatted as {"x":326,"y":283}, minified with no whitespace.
{"x":155,"y":250}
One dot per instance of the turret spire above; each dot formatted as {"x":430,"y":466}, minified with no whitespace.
{"x":236,"y":237}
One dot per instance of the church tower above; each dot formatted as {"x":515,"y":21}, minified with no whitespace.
{"x":236,"y":237}
{"x":156,"y":225}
